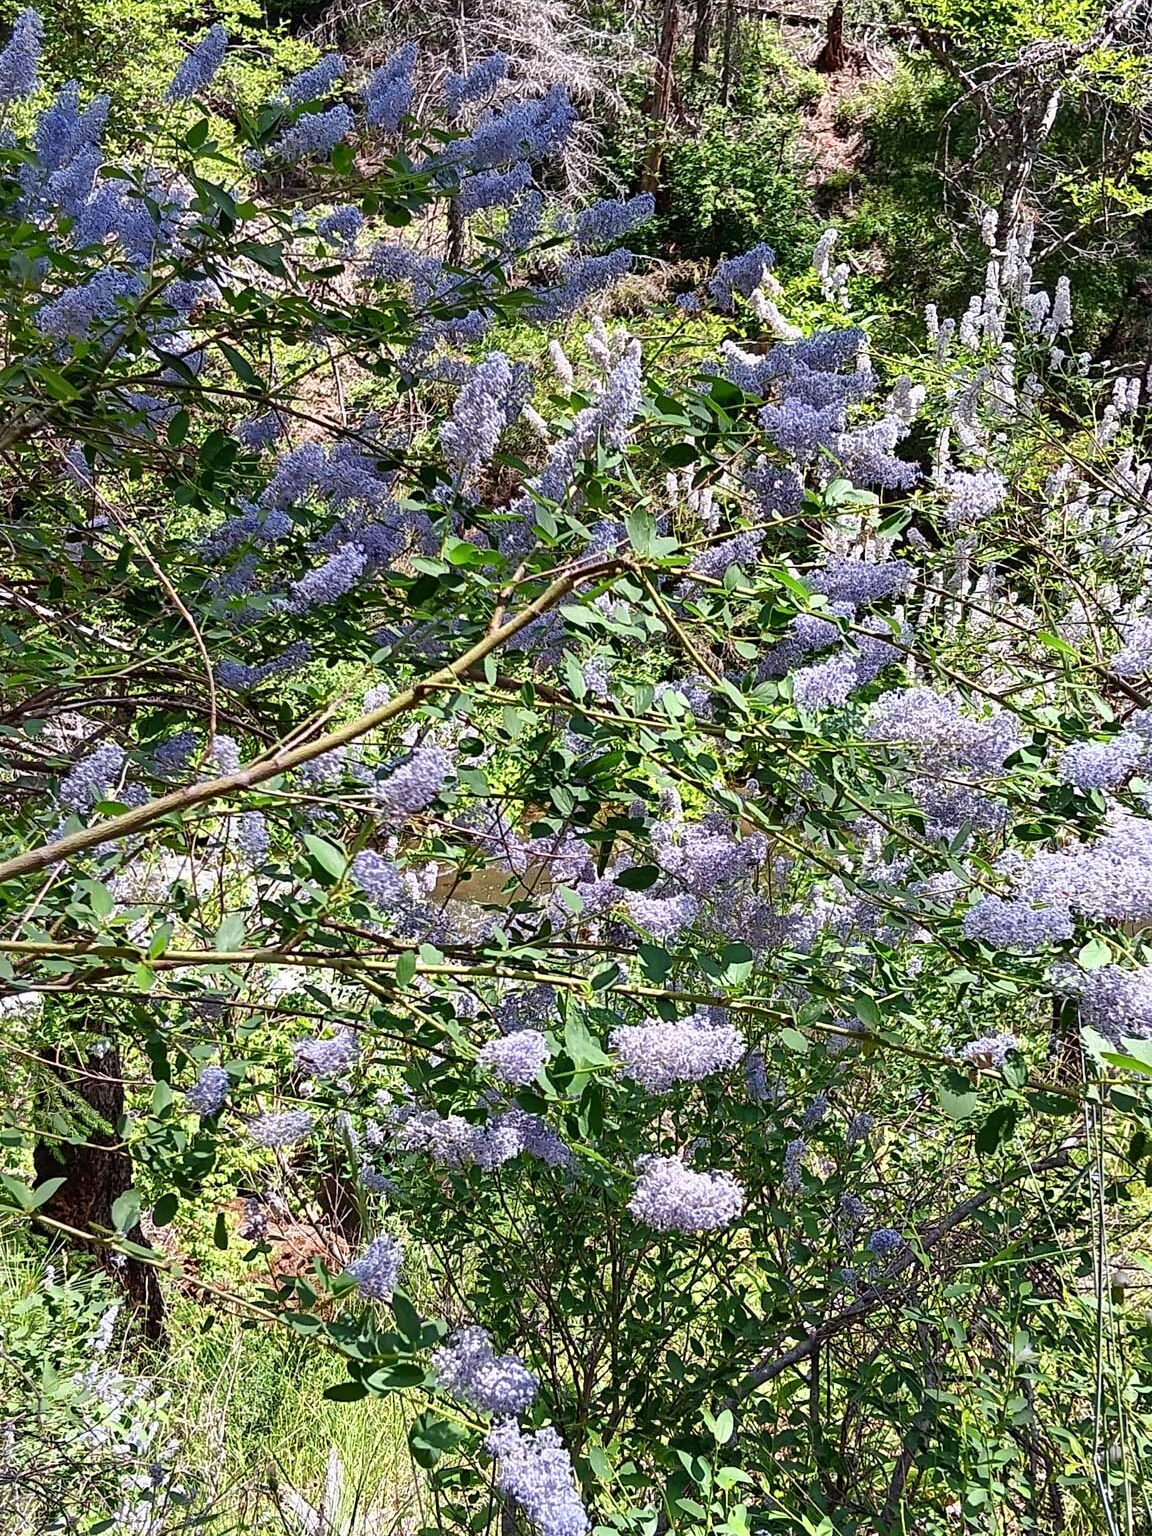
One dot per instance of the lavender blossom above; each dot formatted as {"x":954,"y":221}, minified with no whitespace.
{"x":973,"y":497}
{"x":414,"y":784}
{"x":664,"y":917}
{"x":884,"y":1242}
{"x":608,"y":221}
{"x":341,"y":228}
{"x":176,"y":753}
{"x":859,"y":1128}
{"x":1017,"y":924}
{"x":1135,"y":660}
{"x":480,"y":81}
{"x":314,"y":136}
{"x":658,"y":1055}
{"x":799,"y":429}
{"x":470,"y":1370}
{"x":825,"y":684}
{"x":377,"y":1270}
{"x":1117,"y":1003}
{"x":284,"y":1129}
{"x":516,"y":1058}
{"x":1101,"y":764}
{"x":316,"y":81}
{"x":209,"y":1093}
{"x":224,"y":754}
{"x":479,"y":415}
{"x":670,"y":1197}
{"x":380,"y":880}
{"x":493,"y":189}
{"x":20,"y":57}
{"x":860,"y":582}
{"x":329,"y":582}
{"x":535,"y":1470}
{"x":756,"y":1077}
{"x":77,"y":310}
{"x":333,"y":1057}
{"x":740,"y":275}
{"x":990,"y":1050}
{"x":816,"y":1112}
{"x":388,"y":93}
{"x":199,"y":68}
{"x":252,"y":840}
{"x":92,"y":778}
{"x":795,"y":1155}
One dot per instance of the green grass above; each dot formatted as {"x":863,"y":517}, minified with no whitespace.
{"x":256,"y":1439}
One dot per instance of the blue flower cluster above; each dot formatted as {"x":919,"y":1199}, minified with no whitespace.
{"x":21,"y":57}
{"x":252,"y":839}
{"x":473,"y":1373}
{"x":480,"y":81}
{"x":455,"y":1142}
{"x":658,"y":1055}
{"x":515,"y":1058}
{"x":199,"y":68}
{"x":92,"y":778}
{"x":377,"y":1270}
{"x":209,"y":1093}
{"x":388,"y":93}
{"x":334,"y":1056}
{"x":316,"y":81}
{"x":414,"y":785}
{"x":671,"y":1197}
{"x":535,"y":1470}
{"x":281,"y":1129}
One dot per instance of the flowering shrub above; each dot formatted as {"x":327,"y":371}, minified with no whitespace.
{"x":650,"y":837}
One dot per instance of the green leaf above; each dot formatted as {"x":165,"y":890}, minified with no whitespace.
{"x":44,"y":1192}
{"x":165,"y":1209}
{"x":639,"y":878}
{"x":220,"y":1231}
{"x":656,"y":962}
{"x":997,"y":1129}
{"x":641,"y":530}
{"x":346,"y":1392}
{"x":178,"y":425}
{"x":18,"y":1193}
{"x":958,"y":1098}
{"x":241,"y":367}
{"x":1095,"y":954}
{"x":99,"y":896}
{"x":327,"y":857}
{"x":584,"y":1049}
{"x":792,"y":1040}
{"x":430,"y":1436}
{"x":1054,"y":643}
{"x":723,"y":1426}
{"x":126,"y":1210}
{"x":160,"y":941}
{"x":408,"y":1322}
{"x":230,"y":934}
{"x":867,"y":1011}
{"x":405,"y":967}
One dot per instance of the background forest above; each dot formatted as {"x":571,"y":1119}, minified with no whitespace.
{"x":576,"y":688}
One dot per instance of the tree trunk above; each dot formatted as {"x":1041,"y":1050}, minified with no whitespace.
{"x":728,"y":62}
{"x":701,"y":37}
{"x":833,"y":57}
{"x":95,"y":1175}
{"x":662,"y":93}
{"x":1026,"y":138}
